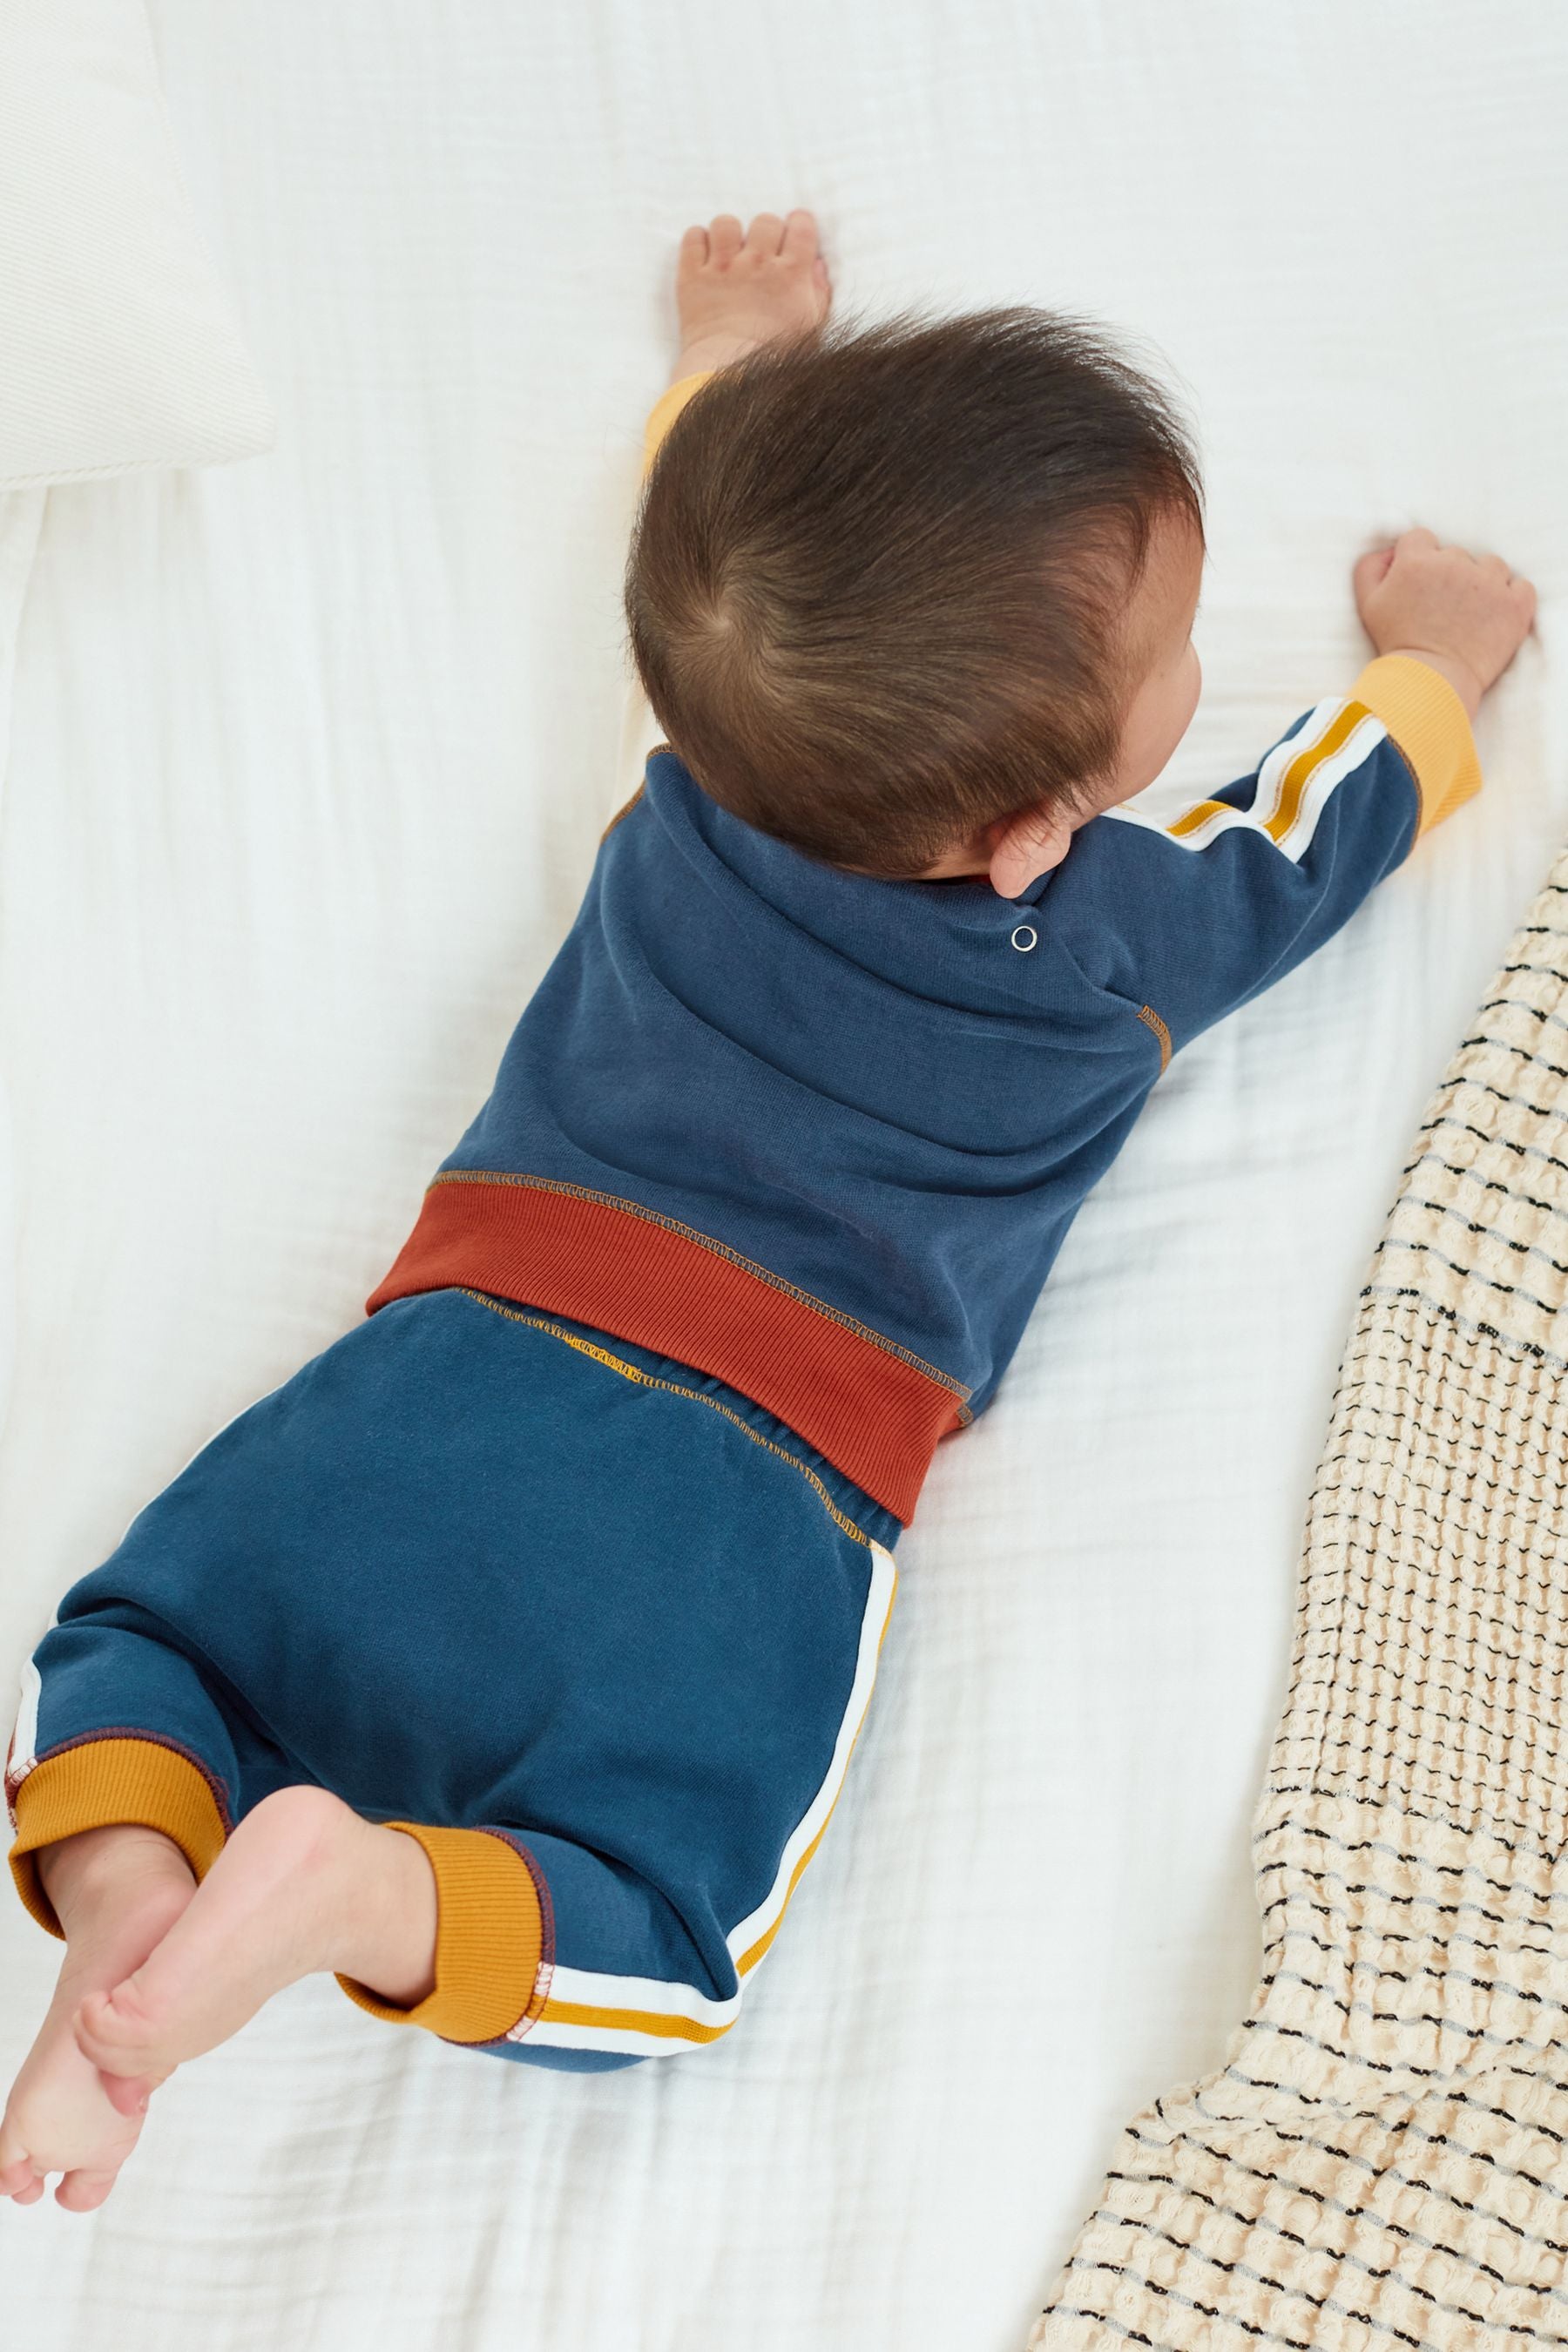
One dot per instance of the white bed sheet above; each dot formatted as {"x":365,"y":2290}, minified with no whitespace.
{"x":309,"y":761}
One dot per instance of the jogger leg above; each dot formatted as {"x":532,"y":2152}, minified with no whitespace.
{"x":115,"y":1724}
{"x":304,"y":1884}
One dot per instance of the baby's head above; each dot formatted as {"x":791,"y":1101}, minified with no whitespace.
{"x":916,"y":598}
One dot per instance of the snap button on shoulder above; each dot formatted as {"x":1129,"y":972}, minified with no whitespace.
{"x":1024,"y":938}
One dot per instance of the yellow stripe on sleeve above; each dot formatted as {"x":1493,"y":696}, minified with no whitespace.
{"x":1190,"y":820}
{"x":1302,"y":770}
{"x":1280,"y":807}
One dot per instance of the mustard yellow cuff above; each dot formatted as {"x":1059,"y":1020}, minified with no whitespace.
{"x":489,"y":1938}
{"x":664,"y":411}
{"x":1431,"y":726}
{"x":114,"y":1779}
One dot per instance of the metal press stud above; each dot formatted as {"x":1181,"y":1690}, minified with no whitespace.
{"x":1025,"y":937}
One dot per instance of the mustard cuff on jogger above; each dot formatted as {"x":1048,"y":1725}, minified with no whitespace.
{"x":95,"y":1782}
{"x":490,"y":1938}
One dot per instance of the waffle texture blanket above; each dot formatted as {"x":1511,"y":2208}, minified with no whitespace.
{"x":1382,"y":2159}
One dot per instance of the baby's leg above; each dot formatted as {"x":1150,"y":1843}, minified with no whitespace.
{"x":304,"y":1884}
{"x":116,"y":1891}
{"x":130,"y":1763}
{"x":157,"y":1971}
{"x":122,"y":1780}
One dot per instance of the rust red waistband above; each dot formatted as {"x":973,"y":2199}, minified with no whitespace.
{"x":874,"y":1409}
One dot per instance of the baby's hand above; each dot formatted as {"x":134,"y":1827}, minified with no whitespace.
{"x":734,"y":292}
{"x":1466,"y":616}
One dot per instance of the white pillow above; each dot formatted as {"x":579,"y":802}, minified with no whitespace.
{"x":118,"y":349}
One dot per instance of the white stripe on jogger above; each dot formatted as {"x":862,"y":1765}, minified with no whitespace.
{"x":873,"y":1624}
{"x":23,"y":1753}
{"x":617,"y":1994}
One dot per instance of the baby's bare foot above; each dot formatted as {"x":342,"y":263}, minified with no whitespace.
{"x":735,"y":288}
{"x":128,"y":1886}
{"x":304,"y":1884}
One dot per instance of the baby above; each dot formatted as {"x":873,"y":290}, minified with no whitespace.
{"x":508,"y":1659}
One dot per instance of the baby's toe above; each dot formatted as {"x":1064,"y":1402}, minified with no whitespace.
{"x":121,"y":2031}
{"x":693,"y":251}
{"x":764,"y":236}
{"x":83,"y":2191}
{"x":128,"y":2094}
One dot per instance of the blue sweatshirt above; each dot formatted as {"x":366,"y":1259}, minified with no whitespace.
{"x":822,"y":1136}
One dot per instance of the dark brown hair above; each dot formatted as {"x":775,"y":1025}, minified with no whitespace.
{"x":877,"y":579}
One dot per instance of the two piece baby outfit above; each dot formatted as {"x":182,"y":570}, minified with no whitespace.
{"x":573,"y":1561}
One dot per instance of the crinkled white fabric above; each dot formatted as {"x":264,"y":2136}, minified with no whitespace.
{"x":21,"y":513}
{"x":121,"y":348}
{"x":309,"y":760}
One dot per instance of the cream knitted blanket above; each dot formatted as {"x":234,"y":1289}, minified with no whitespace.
{"x":1381,"y":2161}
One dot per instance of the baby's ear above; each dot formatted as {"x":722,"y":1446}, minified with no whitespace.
{"x":1029,"y":846}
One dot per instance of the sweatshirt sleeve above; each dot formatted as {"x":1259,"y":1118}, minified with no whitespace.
{"x":1192,"y":916}
{"x":664,"y":411}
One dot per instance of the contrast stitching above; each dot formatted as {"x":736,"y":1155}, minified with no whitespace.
{"x":1394,"y":744}
{"x":539,"y":1992}
{"x":674,"y":1388}
{"x":1150,"y":1020}
{"x":621,"y":814}
{"x":719,"y":1249}
{"x":546,"y":1969}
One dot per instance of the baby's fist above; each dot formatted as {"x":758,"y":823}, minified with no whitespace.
{"x":1464,"y":614}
